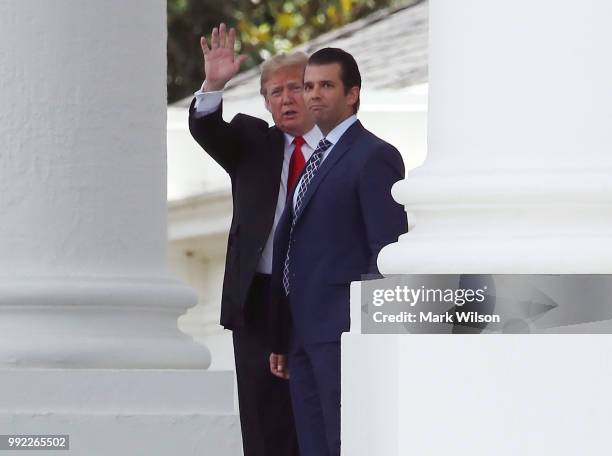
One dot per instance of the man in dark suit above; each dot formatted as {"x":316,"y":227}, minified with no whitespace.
{"x":263,"y":163}
{"x":341,"y":215}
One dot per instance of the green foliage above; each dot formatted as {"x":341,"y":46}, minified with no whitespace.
{"x":263,"y":29}
{"x":187,"y":21}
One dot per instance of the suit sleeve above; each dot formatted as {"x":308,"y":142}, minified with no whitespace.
{"x":223,"y":141}
{"x":384,"y":219}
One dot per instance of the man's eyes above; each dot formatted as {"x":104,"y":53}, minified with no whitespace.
{"x":278,"y":92}
{"x":308,"y":87}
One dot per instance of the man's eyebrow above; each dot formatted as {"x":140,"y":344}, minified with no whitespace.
{"x":320,"y":81}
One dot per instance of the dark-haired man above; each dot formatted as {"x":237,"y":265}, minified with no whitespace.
{"x":341,"y":215}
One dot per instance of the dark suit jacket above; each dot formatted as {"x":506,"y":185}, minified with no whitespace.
{"x":348,"y":215}
{"x":252,"y":154}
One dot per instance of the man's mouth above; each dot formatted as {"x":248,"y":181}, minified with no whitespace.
{"x":289,"y":113}
{"x":315,"y":107}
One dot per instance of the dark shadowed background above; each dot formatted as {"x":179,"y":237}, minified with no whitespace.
{"x":263,"y":28}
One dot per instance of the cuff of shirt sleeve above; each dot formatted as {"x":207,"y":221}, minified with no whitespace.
{"x":207,"y":102}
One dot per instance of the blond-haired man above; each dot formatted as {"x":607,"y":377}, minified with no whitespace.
{"x":263,"y":163}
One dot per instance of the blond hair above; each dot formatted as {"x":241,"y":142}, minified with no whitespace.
{"x":278,"y":62}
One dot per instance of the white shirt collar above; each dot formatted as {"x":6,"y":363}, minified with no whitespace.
{"x":311,"y":137}
{"x":335,"y":135}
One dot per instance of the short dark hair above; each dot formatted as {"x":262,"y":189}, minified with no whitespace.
{"x":349,"y":71}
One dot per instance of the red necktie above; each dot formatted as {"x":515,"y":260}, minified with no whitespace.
{"x":296,"y":164}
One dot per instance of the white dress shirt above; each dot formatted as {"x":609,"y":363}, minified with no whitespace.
{"x":208,"y":102}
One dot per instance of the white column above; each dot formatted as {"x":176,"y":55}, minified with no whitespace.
{"x":83,"y":276}
{"x":518,"y":179}
{"x":518,"y":175}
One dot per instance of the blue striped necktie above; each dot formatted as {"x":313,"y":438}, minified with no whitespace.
{"x":310,"y":171}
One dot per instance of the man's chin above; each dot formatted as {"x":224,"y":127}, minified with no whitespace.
{"x":321,"y":121}
{"x":318,"y":117}
{"x":291,"y":126}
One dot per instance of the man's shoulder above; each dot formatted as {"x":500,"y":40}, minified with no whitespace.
{"x":239,"y":120}
{"x":248,"y":121}
{"x":370,"y":144}
{"x":255,"y":130}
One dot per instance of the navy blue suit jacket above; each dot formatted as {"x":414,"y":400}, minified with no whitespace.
{"x":348,"y":215}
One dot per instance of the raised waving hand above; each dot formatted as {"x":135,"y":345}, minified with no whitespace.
{"x":220,"y":61}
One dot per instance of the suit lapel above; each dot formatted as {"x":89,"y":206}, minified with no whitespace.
{"x":273,"y":166}
{"x":339,"y":149}
{"x":277,"y":141}
{"x":265,"y":173}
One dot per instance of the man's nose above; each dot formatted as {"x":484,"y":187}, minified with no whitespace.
{"x":287,"y":97}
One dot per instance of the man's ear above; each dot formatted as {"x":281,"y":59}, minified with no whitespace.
{"x":267,"y":103}
{"x":353,"y":95}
